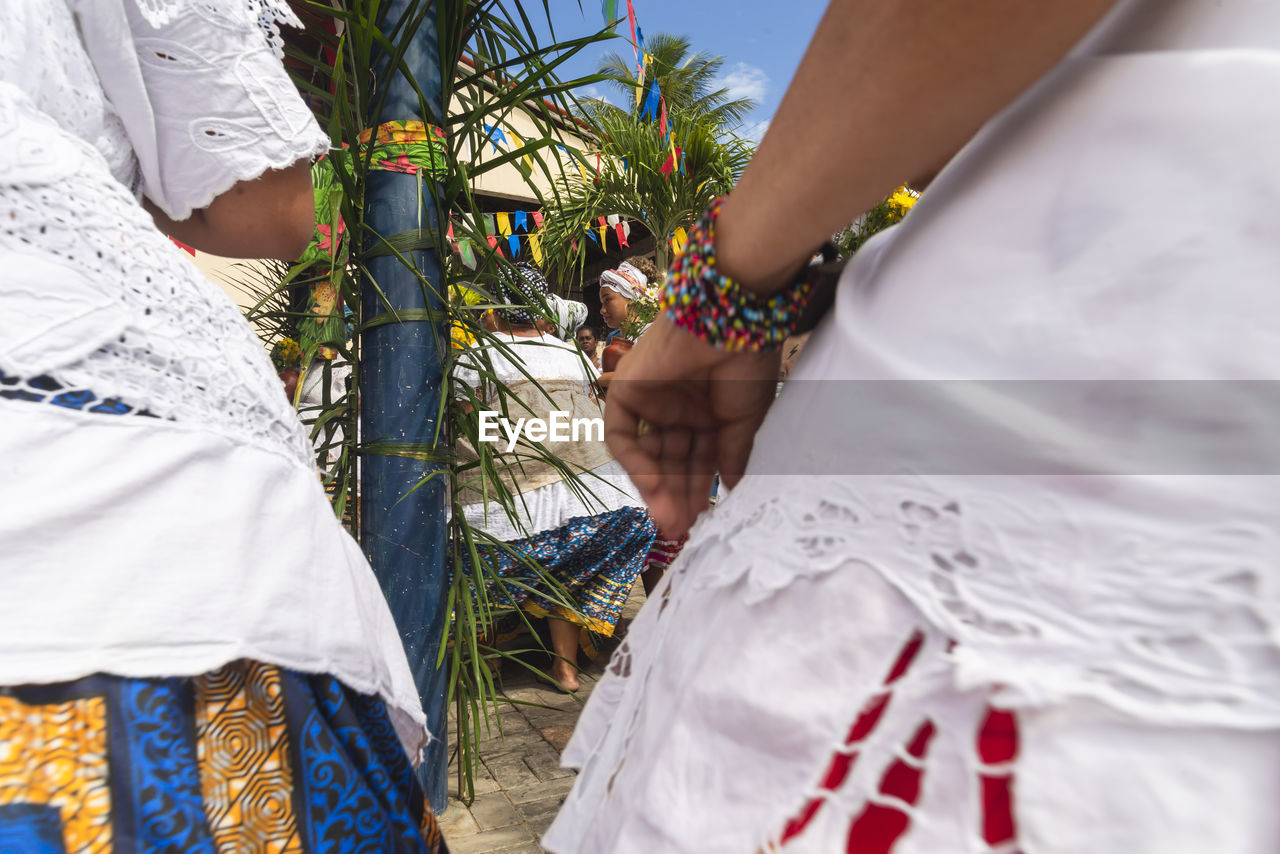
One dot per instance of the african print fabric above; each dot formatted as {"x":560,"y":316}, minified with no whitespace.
{"x":594,"y":558}
{"x":249,"y":758}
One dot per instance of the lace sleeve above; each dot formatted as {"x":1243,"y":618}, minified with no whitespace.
{"x":205,"y":98}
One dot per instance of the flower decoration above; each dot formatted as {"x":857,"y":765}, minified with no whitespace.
{"x":286,"y":355}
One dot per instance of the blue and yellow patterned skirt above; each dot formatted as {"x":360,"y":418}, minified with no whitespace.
{"x":596,"y":559}
{"x":245,"y":759}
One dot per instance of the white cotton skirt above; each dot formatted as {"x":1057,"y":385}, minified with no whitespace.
{"x":601,"y":490}
{"x":766,"y":701}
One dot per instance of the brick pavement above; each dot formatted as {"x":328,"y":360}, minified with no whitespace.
{"x":520,"y":783}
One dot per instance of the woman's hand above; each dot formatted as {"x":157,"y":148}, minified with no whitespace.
{"x":679,"y":410}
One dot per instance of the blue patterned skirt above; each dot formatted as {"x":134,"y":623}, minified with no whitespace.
{"x":248,"y":758}
{"x":596,"y":559}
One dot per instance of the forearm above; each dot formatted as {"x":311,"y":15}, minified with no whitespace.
{"x":886,"y":91}
{"x":271,"y":217}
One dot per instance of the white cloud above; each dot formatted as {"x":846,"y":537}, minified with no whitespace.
{"x":754,"y":131}
{"x":745,"y":81}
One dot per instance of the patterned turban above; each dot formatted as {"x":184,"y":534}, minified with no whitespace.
{"x":627,"y":281}
{"x":570,"y":315}
{"x":526,"y":289}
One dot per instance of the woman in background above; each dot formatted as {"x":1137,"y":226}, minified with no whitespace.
{"x":589,"y":344}
{"x":592,"y":545}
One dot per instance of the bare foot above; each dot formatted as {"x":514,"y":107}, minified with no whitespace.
{"x":566,"y":674}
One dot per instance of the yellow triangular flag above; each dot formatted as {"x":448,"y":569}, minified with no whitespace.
{"x":535,"y":249}
{"x":678,"y":239}
{"x":517,"y":142}
{"x":504,"y":224}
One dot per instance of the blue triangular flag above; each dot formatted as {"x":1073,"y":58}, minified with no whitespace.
{"x":592,"y":235}
{"x":651,"y":102}
{"x":514,"y":242}
{"x":519,"y":219}
{"x":495,"y":134}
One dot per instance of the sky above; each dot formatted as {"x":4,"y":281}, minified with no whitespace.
{"x":761,"y":41}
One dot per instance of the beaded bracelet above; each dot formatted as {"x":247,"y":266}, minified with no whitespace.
{"x":707,"y":303}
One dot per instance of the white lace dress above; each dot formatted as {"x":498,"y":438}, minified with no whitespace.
{"x":895,"y":636}
{"x":160,"y":512}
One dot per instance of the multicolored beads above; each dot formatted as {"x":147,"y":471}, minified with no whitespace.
{"x":705,"y":302}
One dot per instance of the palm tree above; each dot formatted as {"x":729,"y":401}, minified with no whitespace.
{"x":635,"y":174}
{"x":639,"y":180}
{"x":687,"y":81}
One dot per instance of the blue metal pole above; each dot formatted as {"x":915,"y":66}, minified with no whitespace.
{"x":403,"y":534}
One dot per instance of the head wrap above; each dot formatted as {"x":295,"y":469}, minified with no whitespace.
{"x":627,"y":281}
{"x":526,"y":289}
{"x":570,"y":314}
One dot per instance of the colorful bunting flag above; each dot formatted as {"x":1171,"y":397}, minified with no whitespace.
{"x":678,"y":239}
{"x":488,"y":224}
{"x":620,"y":229}
{"x":519,"y":220}
{"x":467,"y":254}
{"x":513,"y":241}
{"x":651,"y":102}
{"x":518,"y":143}
{"x":504,"y":224}
{"x":604,"y":229}
{"x":593,"y":237}
{"x":662,"y":117}
{"x":631,"y":18}
{"x":495,"y":135}
{"x":537,"y":219}
{"x":493,"y":243}
{"x":535,"y":249}
{"x":609,"y":9}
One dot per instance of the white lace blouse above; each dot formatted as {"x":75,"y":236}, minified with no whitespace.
{"x":191,"y":529}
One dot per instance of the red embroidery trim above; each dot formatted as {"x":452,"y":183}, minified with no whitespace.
{"x":842,"y":762}
{"x":997,"y":744}
{"x":879,"y":826}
